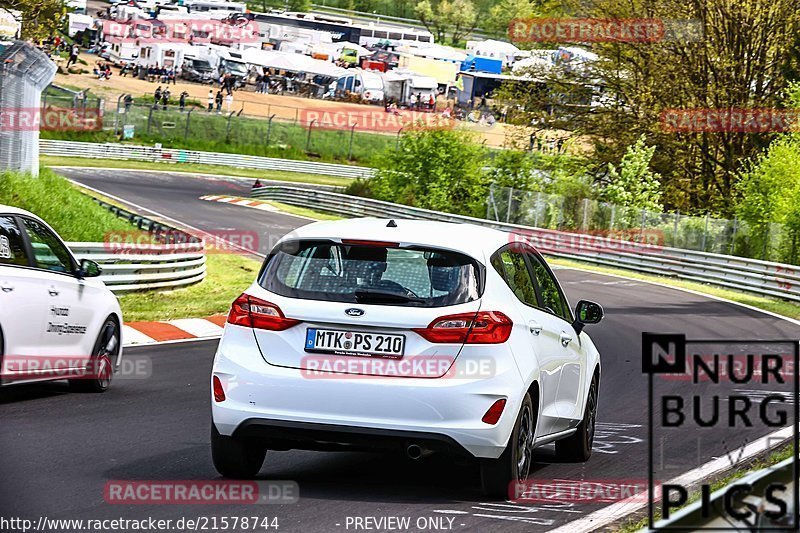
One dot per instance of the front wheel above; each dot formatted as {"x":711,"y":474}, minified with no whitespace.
{"x":101,"y":364}
{"x":235,"y":458}
{"x":578,"y":446}
{"x":514,"y":465}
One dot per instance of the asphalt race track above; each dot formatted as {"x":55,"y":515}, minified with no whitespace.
{"x":59,"y":449}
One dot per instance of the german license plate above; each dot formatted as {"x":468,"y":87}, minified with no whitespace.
{"x":354,"y":342}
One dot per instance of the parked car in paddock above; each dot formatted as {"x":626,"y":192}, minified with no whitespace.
{"x":319,"y":352}
{"x":57,"y":321}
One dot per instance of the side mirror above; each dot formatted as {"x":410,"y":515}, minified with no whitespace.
{"x":587,"y":312}
{"x":88,"y":269}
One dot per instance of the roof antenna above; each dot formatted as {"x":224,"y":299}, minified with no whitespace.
{"x":391,"y":224}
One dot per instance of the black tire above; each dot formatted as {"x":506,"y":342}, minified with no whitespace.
{"x":235,"y":458}
{"x":101,"y":364}
{"x":514,"y":464}
{"x":578,"y":446}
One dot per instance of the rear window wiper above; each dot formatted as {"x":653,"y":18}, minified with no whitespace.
{"x":377,"y":295}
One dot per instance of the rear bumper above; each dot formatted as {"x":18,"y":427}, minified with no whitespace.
{"x":287,"y":435}
{"x":286,"y":408}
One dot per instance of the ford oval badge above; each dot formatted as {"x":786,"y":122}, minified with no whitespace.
{"x":354,"y":312}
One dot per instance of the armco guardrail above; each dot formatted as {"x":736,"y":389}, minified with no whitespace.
{"x":749,"y":275}
{"x":694,"y":517}
{"x":145,"y":266}
{"x":150,"y":153}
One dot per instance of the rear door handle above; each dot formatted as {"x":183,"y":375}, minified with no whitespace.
{"x":534,"y":327}
{"x":6,"y":286}
{"x":53,"y":291}
{"x":566,"y":338}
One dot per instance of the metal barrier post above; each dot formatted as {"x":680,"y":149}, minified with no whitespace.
{"x":310,"y":127}
{"x":508,"y":207}
{"x":269,"y":128}
{"x":228,"y":128}
{"x":585,"y":214}
{"x":641,"y":228}
{"x":705,"y":233}
{"x":116,"y":113}
{"x":733,"y":234}
{"x":149,"y":119}
{"x":352,"y":134}
{"x":188,"y":119}
{"x":675,"y":228}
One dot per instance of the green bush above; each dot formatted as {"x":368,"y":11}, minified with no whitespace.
{"x":75,"y":216}
{"x":439,"y":169}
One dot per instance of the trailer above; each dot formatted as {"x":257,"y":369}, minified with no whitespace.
{"x":401,"y":84}
{"x":364,"y":83}
{"x":161,"y":54}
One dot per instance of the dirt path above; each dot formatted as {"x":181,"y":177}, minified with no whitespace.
{"x":252,"y":104}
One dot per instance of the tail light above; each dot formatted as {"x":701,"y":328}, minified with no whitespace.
{"x":252,"y":312}
{"x":493,"y":414}
{"x":483,"y":327}
{"x":219,"y":392}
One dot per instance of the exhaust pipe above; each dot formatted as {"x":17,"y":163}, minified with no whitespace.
{"x":416,"y":452}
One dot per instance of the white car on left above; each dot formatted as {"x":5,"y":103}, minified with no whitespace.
{"x":57,"y":320}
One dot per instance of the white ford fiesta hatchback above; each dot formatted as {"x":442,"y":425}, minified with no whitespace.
{"x":57,"y":321}
{"x":417,"y":336}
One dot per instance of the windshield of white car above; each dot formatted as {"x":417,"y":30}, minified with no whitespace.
{"x":382,"y":274}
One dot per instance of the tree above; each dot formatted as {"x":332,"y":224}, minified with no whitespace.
{"x":40,"y":18}
{"x":298,"y":5}
{"x":516,"y":169}
{"x":769,"y":192}
{"x":634,"y":184}
{"x":501,"y":15}
{"x":457,"y":16}
{"x":741,"y":60}
{"x":434,"y":168}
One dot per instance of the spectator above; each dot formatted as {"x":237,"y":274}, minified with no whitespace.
{"x":171,"y":76}
{"x":182,"y":100}
{"x":257,"y":184}
{"x":420,"y":103}
{"x":73,"y":56}
{"x":164,"y":99}
{"x":157,"y":96}
{"x":412,"y":101}
{"x":432,"y":103}
{"x":219,"y":99}
{"x":128,"y":100}
{"x":210,"y":100}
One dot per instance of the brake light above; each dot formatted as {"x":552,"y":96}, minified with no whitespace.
{"x":493,"y":414}
{"x":483,"y":327}
{"x":252,"y":312}
{"x":219,"y":392}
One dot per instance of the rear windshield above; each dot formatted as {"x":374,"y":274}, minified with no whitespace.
{"x":370,"y":274}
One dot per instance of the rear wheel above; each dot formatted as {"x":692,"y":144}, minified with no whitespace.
{"x":578,"y":446}
{"x":515,"y":463}
{"x":101,"y":364}
{"x":235,"y":458}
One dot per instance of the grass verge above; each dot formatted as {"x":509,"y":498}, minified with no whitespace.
{"x":781,"y":307}
{"x":301,"y":211}
{"x":71,"y":213}
{"x":219,"y":170}
{"x":772,"y":459}
{"x":227,"y":275}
